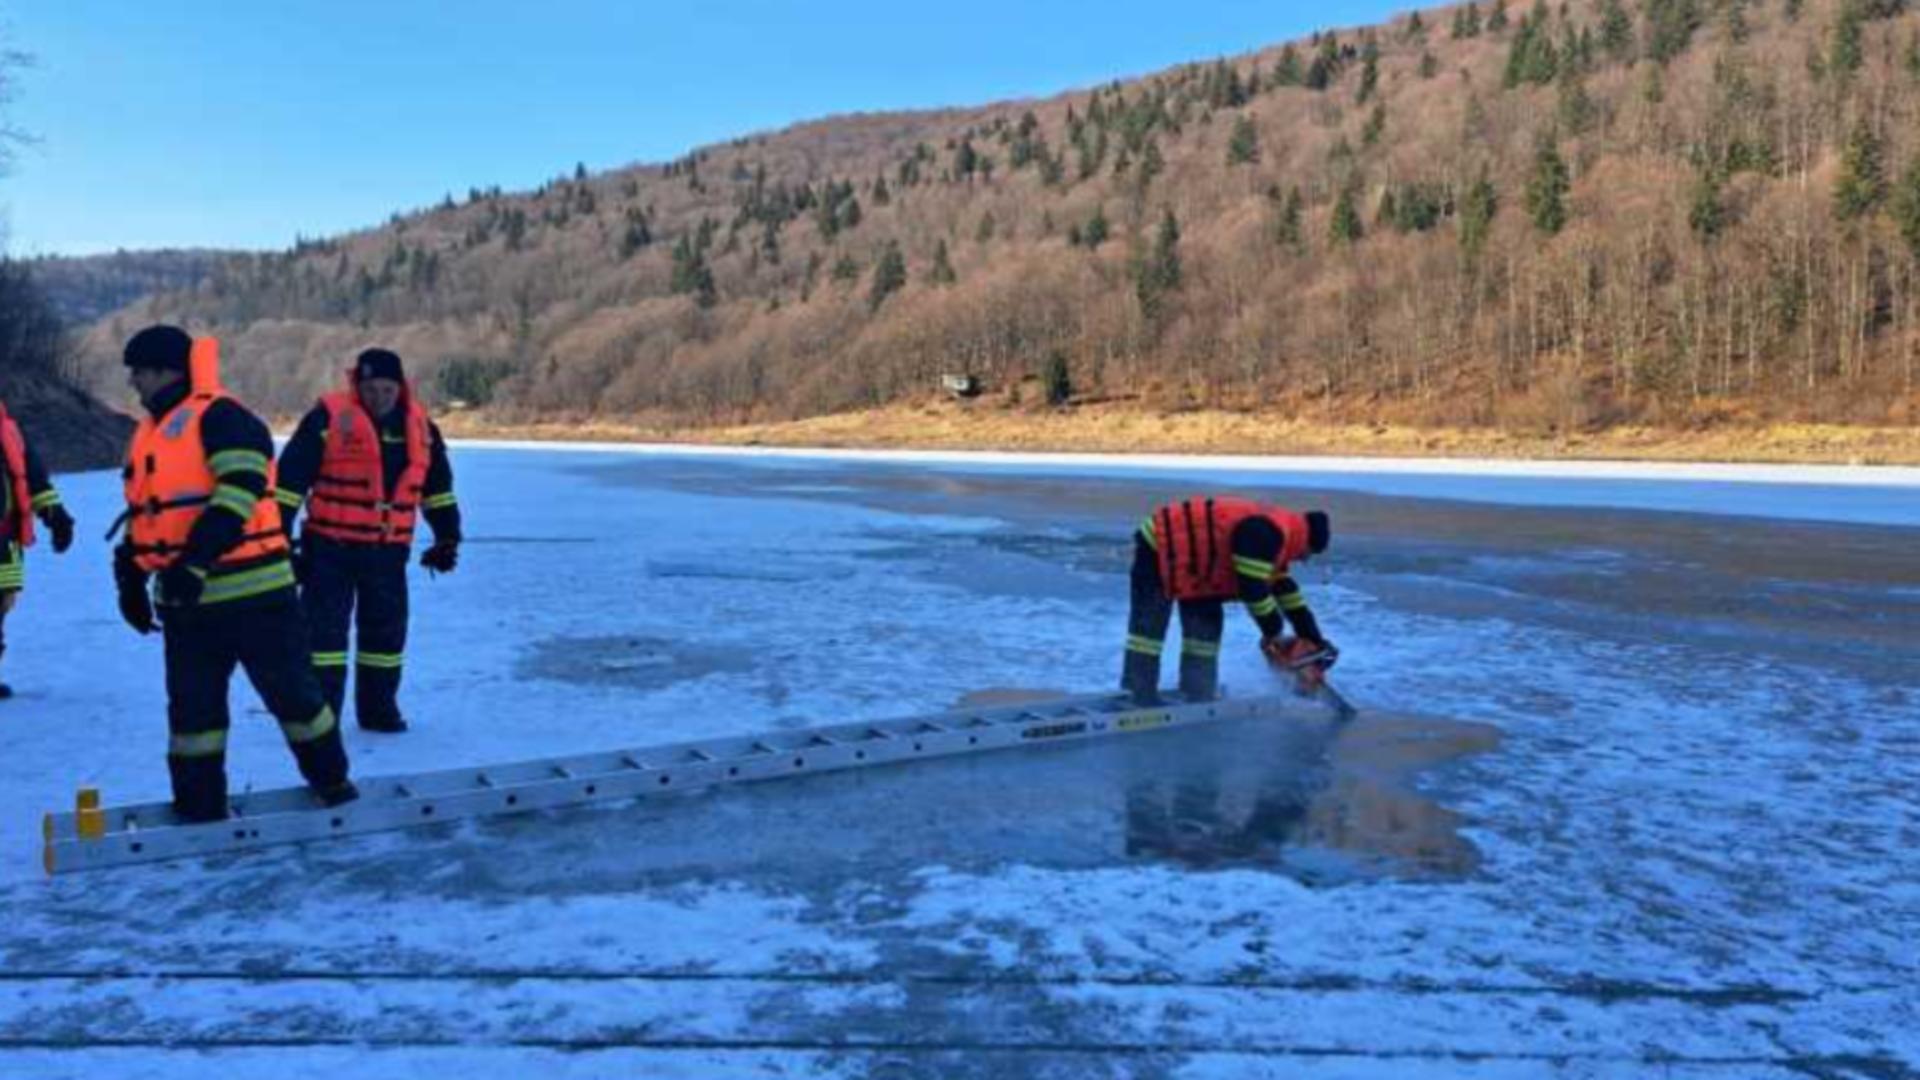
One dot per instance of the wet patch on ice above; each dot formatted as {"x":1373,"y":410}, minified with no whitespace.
{"x":626,"y":661}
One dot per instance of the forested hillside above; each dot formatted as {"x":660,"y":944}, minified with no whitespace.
{"x":1561,"y":215}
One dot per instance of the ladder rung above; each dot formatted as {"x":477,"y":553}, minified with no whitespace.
{"x":628,"y":761}
{"x":563,"y":772}
{"x":874,"y":734}
{"x":483,"y":780}
{"x":821,"y":740}
{"x":698,"y":754}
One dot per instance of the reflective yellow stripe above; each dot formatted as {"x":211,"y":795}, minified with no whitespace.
{"x":378,"y":659}
{"x":13,"y":577}
{"x":1194,"y":647}
{"x":228,"y":462}
{"x":1146,"y":533}
{"x":235,"y":500}
{"x":288,"y":498}
{"x":439,"y":502}
{"x":1293,"y":601}
{"x":197,"y":744}
{"x":45,"y":499}
{"x":1266,"y":605}
{"x":1252,"y":568}
{"x":239,"y":586}
{"x":330,"y":659}
{"x":1146,"y":645}
{"x":313,"y":729}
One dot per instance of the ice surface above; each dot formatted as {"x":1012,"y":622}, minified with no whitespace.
{"x":1691,"y":851}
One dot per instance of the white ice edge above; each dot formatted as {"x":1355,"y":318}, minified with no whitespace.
{"x":1832,"y":475}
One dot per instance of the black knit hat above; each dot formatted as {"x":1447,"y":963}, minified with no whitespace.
{"x":379,"y":364}
{"x":1319,"y":531}
{"x":162,"y":348}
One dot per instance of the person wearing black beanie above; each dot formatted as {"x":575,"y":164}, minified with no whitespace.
{"x":366,"y":462}
{"x":159,"y":348}
{"x":202,"y":544}
{"x":1197,"y":554}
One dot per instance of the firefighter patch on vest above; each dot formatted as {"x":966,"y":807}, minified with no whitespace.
{"x":177,"y":424}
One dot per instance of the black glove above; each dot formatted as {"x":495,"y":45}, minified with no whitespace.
{"x":443,"y":556}
{"x":181,"y":585}
{"x":60,"y":523}
{"x":136,"y":608}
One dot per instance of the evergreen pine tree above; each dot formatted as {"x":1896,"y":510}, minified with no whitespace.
{"x":1287,"y":71}
{"x":1616,"y":31}
{"x":1243,"y":147}
{"x":1375,"y":126}
{"x":1096,"y":231}
{"x":1547,"y":189}
{"x":1862,"y":186}
{"x":941,"y":273}
{"x":1345,"y":228}
{"x":1057,"y":378}
{"x":1707,"y":212}
{"x":1369,"y":73}
{"x":1477,"y":212}
{"x":1906,"y":206}
{"x":889,"y":276}
{"x":1289,"y":225}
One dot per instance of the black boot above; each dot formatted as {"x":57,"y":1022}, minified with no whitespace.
{"x":338,"y":795}
{"x":393,"y":724}
{"x":1140,"y":677}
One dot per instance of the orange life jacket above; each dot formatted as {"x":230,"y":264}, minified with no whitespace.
{"x":168,"y":481}
{"x":1195,"y":538}
{"x":350,"y":501}
{"x":18,"y":525}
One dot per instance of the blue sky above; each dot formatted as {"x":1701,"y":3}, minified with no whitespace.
{"x":241,"y":123}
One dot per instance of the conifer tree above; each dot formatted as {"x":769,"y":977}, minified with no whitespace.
{"x":1345,"y":228}
{"x":889,"y":276}
{"x":1477,"y":211}
{"x":1375,"y":126}
{"x":1547,"y":189}
{"x":1243,"y":147}
{"x":1707,"y":212}
{"x":1616,"y":31}
{"x":1288,"y":71}
{"x":1906,"y":206}
{"x":1862,"y":186}
{"x":1369,"y":73}
{"x":941,"y":273}
{"x":1096,"y":230}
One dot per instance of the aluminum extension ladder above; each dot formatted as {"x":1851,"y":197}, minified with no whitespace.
{"x":93,"y":836}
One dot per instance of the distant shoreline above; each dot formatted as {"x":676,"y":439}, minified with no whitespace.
{"x":947,"y":426}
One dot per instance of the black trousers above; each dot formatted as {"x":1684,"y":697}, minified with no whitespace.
{"x":366,"y":585}
{"x":267,"y":638}
{"x":1148,"y":614}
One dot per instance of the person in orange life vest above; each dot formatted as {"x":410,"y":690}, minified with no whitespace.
{"x":25,"y":493}
{"x":200,"y":530}
{"x":1199,"y":553}
{"x":367,"y":462}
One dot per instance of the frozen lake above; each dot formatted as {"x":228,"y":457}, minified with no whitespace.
{"x":1636,"y":793}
